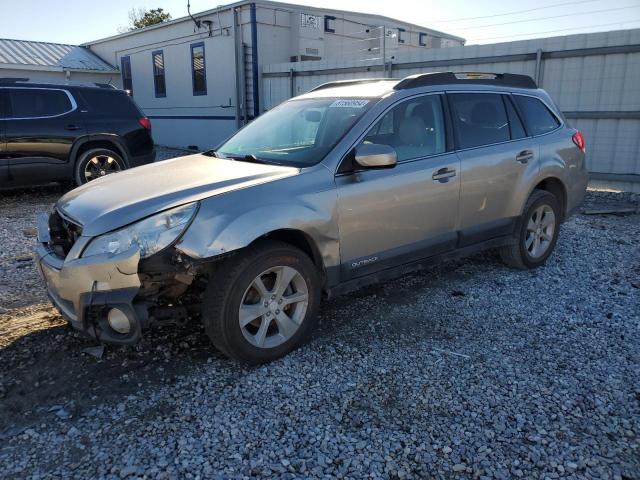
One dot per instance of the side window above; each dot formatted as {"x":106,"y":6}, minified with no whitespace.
{"x":515,"y":125}
{"x":31,"y":102}
{"x":414,"y":128}
{"x":125,"y":71}
{"x":158,"y":74}
{"x":198,"y":73}
{"x":480,"y":118}
{"x":537,"y":116}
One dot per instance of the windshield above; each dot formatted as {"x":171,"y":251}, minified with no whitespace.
{"x":297,"y":133}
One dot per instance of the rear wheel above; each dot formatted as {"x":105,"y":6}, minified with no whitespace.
{"x":96,"y":163}
{"x":262,"y":303}
{"x":538,"y":233}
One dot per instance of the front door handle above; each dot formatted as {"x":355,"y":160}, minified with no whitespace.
{"x":524,"y":156}
{"x":72,"y":127}
{"x":443,"y":175}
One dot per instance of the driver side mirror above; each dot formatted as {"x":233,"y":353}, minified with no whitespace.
{"x":373,"y":155}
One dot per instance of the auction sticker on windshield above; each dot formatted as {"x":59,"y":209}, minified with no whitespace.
{"x":349,"y":104}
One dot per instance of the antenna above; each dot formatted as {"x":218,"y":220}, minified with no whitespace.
{"x":197,"y":22}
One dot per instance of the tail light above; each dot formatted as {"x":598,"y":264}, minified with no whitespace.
{"x":146,"y":123}
{"x":578,"y":139}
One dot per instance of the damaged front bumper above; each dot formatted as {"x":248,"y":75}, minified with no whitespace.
{"x":86,"y":290}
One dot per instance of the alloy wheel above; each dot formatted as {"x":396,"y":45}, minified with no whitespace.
{"x":273,"y":307}
{"x":99,"y":166}
{"x":540,"y":229}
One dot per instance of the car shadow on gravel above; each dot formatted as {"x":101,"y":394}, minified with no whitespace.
{"x":48,"y":373}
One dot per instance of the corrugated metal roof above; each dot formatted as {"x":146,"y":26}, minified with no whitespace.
{"x":44,"y":54}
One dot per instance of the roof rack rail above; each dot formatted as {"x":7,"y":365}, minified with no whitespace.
{"x":75,"y":83}
{"x":466,"y":78}
{"x":346,"y":83}
{"x":12,"y":79}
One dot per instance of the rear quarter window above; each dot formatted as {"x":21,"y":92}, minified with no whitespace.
{"x":113,"y":103}
{"x":538,"y":118}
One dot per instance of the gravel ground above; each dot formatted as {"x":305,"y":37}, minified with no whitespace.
{"x":469,"y":370}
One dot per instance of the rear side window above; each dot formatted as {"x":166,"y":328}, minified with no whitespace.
{"x":33,"y":103}
{"x":537,"y":116}
{"x":480,"y":119}
{"x":113,"y":103}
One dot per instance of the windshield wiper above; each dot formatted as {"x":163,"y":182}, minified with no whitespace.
{"x":251,"y":158}
{"x":210,"y":153}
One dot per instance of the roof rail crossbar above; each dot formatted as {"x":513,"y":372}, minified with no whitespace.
{"x":346,"y":83}
{"x":466,"y":78}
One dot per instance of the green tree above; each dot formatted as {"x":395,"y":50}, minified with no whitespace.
{"x":141,"y":18}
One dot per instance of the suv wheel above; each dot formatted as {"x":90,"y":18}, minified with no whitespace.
{"x":262,"y":303}
{"x":538,"y":233}
{"x":96,"y":163}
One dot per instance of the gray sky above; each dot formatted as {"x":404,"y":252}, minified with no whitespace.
{"x":78,"y":21}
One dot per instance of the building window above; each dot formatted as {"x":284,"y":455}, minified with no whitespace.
{"x":198,"y":73}
{"x":422,"y":39}
{"x":400,"y":32}
{"x":327,"y":25}
{"x":158,"y":74}
{"x":125,"y":71}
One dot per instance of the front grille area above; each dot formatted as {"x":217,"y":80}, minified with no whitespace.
{"x":63,"y":234}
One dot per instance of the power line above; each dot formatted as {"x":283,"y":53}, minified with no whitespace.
{"x":573,"y":14}
{"x":559,"y":30}
{"x":514,"y":12}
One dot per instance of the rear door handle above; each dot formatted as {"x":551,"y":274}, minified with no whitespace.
{"x":443,"y":175}
{"x":524,"y":156}
{"x":72,"y":127}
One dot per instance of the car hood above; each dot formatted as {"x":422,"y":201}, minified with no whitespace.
{"x":123,"y":198}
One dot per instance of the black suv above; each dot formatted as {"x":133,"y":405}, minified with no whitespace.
{"x":56,"y":132}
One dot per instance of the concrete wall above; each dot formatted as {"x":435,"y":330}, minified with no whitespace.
{"x":592,"y":77}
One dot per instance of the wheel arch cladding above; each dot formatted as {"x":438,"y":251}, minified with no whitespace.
{"x":87,"y":144}
{"x":557,"y":188}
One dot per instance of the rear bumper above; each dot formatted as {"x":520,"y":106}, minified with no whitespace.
{"x":85,"y":289}
{"x":143,"y":159}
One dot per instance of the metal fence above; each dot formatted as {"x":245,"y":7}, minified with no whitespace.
{"x":594,"y":78}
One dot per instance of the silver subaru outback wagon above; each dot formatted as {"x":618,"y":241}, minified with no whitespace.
{"x":351,"y":183}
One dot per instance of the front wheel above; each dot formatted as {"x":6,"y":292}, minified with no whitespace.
{"x":262,"y":303}
{"x":538,"y":232}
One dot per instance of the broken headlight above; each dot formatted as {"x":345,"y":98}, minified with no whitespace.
{"x":150,"y":235}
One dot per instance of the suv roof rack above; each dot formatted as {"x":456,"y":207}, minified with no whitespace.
{"x":12,"y":80}
{"x":466,"y":78}
{"x":346,"y":83}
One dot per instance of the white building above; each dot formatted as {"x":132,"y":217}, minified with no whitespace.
{"x":53,"y":62}
{"x":198,"y":78}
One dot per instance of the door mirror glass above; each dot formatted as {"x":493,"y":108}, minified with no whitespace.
{"x":372,"y":155}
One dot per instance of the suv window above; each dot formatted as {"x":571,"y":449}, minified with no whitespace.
{"x":414,"y":128}
{"x":113,"y":103}
{"x":537,"y":116}
{"x":480,"y":118}
{"x":515,"y":125}
{"x":34,"y":102}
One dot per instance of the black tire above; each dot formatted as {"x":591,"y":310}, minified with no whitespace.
{"x":86,"y":157}
{"x":516,"y":255}
{"x":225,"y":292}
